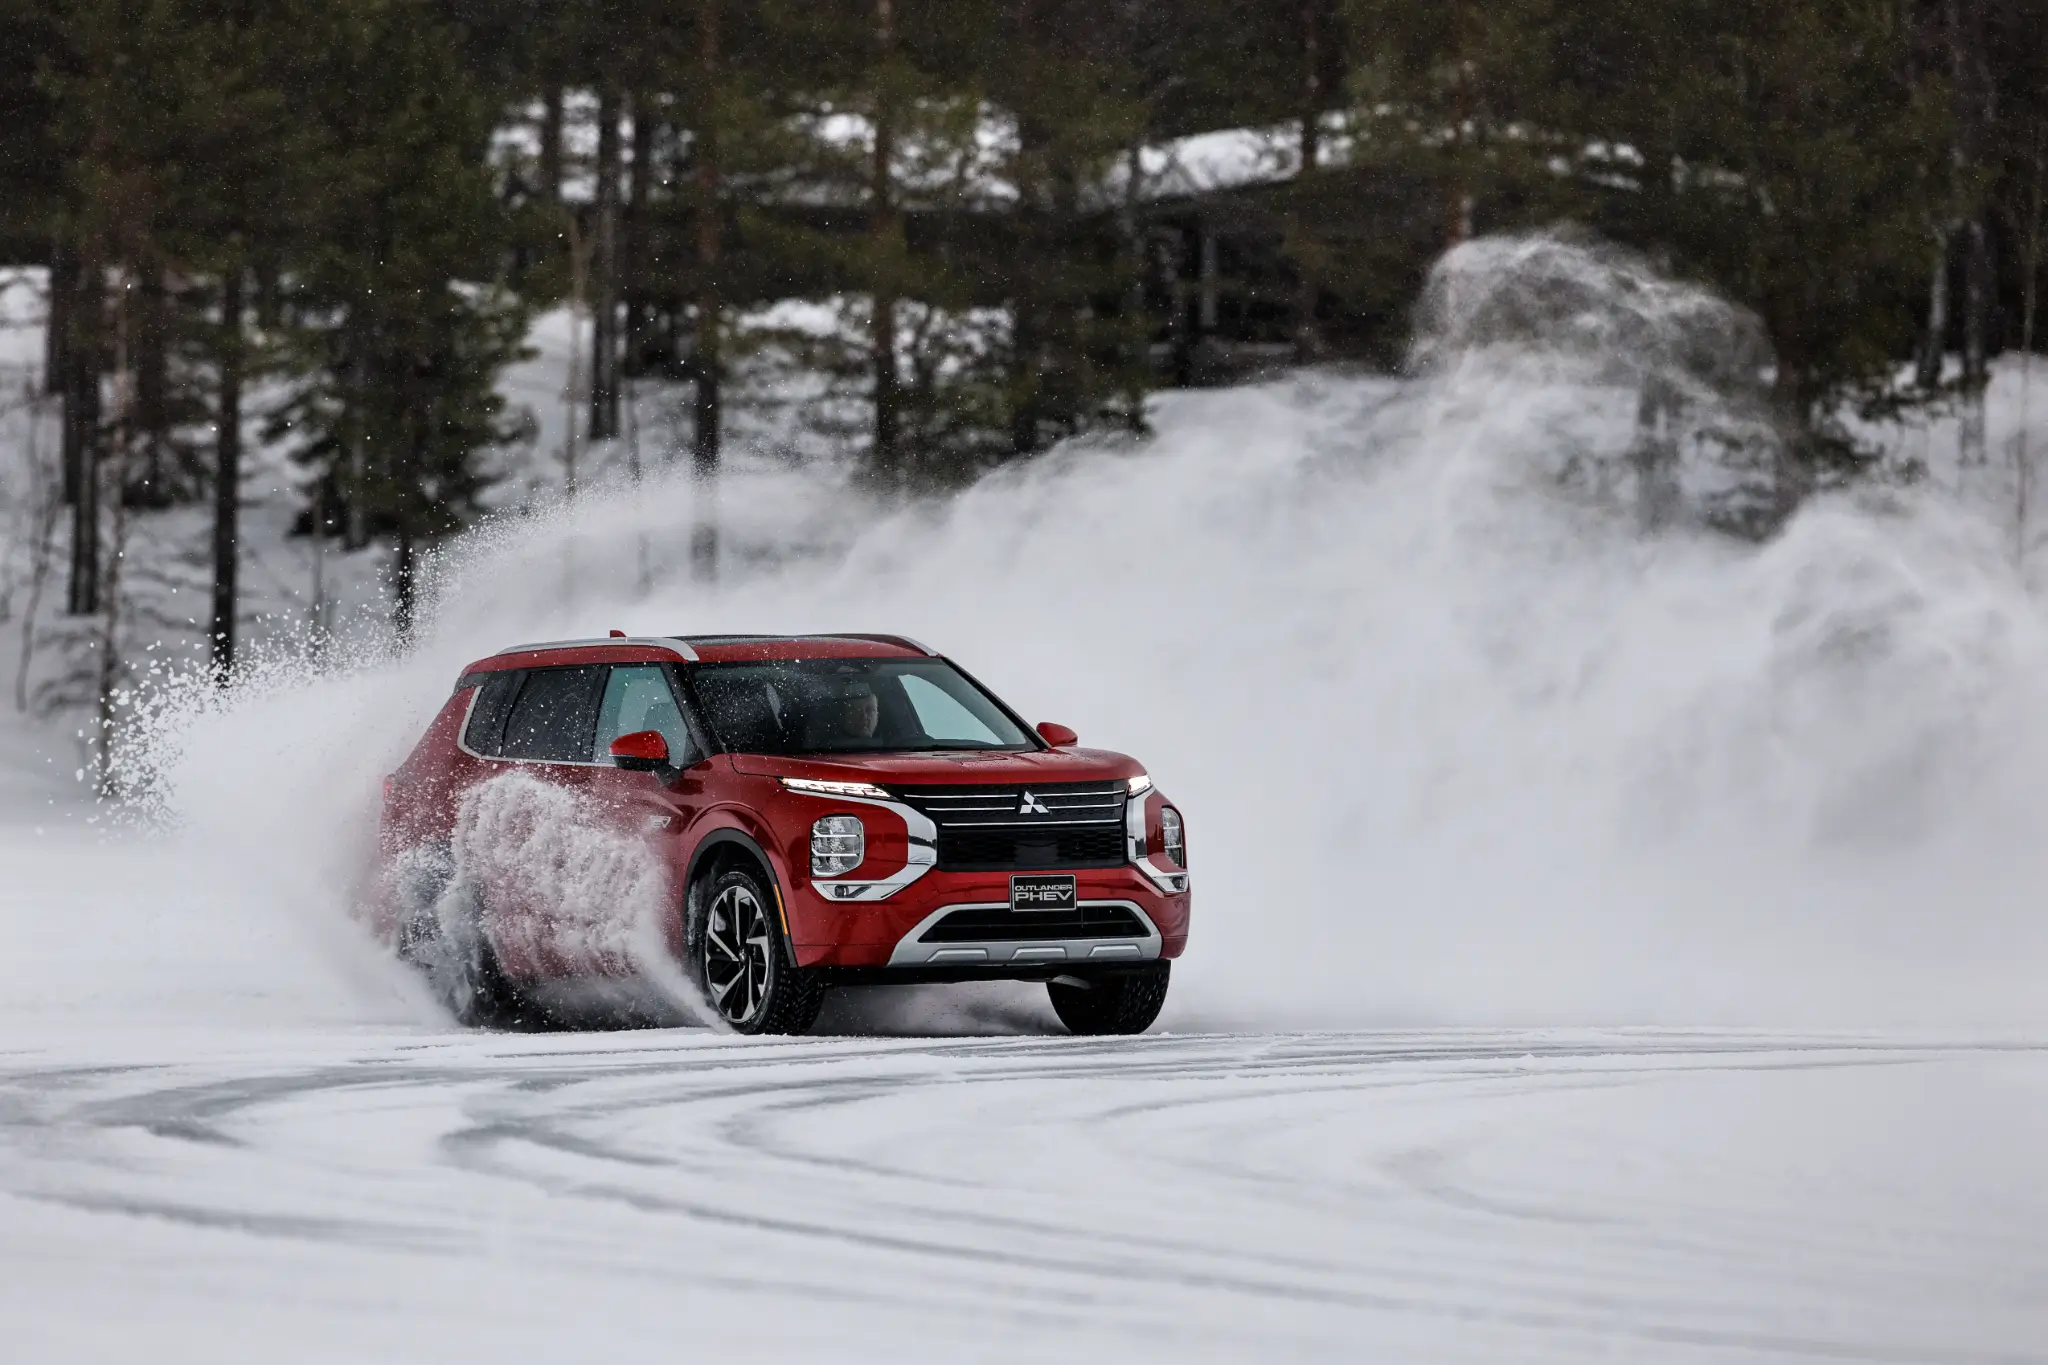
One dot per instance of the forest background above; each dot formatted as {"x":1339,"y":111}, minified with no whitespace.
{"x":986,"y":225}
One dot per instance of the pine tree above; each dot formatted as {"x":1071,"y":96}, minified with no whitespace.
{"x":404,"y":324}
{"x":1074,"y":119}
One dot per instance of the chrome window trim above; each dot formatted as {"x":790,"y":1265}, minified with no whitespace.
{"x":909,"y":952}
{"x":462,"y":730}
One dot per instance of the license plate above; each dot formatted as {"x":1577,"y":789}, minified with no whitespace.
{"x":1042,"y":893}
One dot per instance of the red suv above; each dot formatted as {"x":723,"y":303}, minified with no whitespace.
{"x":775,"y":815}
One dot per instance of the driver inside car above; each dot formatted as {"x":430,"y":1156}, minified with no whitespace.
{"x":856,"y":714}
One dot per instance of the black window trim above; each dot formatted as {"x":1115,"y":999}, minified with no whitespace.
{"x":699,"y":735}
{"x":526,"y":673}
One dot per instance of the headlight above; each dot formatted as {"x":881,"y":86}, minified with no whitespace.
{"x":811,"y":786}
{"x":1176,"y":838}
{"x":838,"y":845}
{"x":1140,"y":784}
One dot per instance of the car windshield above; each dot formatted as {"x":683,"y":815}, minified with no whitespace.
{"x":825,"y":706}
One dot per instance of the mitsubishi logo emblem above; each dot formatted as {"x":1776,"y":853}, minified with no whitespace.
{"x":1033,"y":806}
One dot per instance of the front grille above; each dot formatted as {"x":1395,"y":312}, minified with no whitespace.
{"x":997,"y":850}
{"x":1000,"y":924}
{"x":1025,"y":828}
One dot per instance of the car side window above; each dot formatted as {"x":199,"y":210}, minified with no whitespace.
{"x":555,"y":715}
{"x":638,"y":697}
{"x":485,"y":733}
{"x":942,"y":718}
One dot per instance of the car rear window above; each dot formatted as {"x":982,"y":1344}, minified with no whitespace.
{"x":554,"y":717}
{"x":485,"y":733}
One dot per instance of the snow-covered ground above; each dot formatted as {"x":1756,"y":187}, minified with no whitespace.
{"x":1440,"y":1196}
{"x":1610,"y":944}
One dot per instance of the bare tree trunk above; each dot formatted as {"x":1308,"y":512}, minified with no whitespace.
{"x":1137,"y":326}
{"x":227,"y":476}
{"x":404,"y":583}
{"x":1179,"y":334}
{"x":633,"y":252}
{"x":707,"y":360}
{"x":1977,"y":287}
{"x":57,"y":321}
{"x":576,"y":392}
{"x":1308,"y":343}
{"x":151,"y":350}
{"x":1974,"y":93}
{"x":2030,"y":284}
{"x":316,"y":610}
{"x":1655,"y":455}
{"x":1208,"y":303}
{"x":2030,"y":298}
{"x":47,"y":496}
{"x":551,"y":145}
{"x":355,"y":512}
{"x":109,"y":648}
{"x":1934,"y":342}
{"x":604,"y":282}
{"x":405,"y":563}
{"x":82,"y":439}
{"x":885,"y":230}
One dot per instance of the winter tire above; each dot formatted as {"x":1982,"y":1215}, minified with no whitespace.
{"x":1127,"y":1002}
{"x":747,"y":977}
{"x":440,"y":931}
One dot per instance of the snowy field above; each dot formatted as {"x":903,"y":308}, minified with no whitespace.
{"x":1413,"y":1196}
{"x":1612,"y":942}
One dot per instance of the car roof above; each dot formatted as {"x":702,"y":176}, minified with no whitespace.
{"x":622,"y":648}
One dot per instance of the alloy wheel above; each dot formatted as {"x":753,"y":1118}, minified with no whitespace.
{"x":738,"y":950}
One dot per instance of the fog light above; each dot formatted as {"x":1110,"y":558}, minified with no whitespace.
{"x":1175,"y":837}
{"x":838,"y":845}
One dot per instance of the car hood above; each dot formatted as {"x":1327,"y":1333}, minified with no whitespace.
{"x":1049,"y":765}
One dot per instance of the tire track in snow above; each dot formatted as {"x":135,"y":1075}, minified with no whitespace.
{"x":1295,"y":1194}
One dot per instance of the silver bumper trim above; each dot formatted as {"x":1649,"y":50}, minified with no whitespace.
{"x":909,"y":952}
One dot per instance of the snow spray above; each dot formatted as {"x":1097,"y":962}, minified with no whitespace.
{"x":1505,"y":690}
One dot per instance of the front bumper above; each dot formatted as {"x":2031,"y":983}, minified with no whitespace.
{"x":898,"y":933}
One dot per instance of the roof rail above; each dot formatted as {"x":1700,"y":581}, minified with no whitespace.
{"x":660,"y":642}
{"x":903,"y":640}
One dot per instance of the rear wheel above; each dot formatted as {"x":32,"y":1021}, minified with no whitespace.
{"x":440,"y":931}
{"x":747,"y":978}
{"x":1127,"y":1002}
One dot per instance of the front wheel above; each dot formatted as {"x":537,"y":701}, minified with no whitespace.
{"x":746,"y":977}
{"x":1127,"y":1002}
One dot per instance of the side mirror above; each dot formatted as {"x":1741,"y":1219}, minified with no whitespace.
{"x":643,"y":751}
{"x":1059,"y":736}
